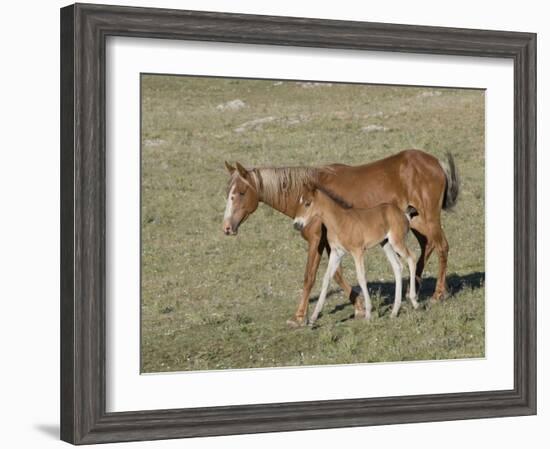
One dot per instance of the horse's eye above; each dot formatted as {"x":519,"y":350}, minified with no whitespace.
{"x":308,"y":203}
{"x":241,"y":193}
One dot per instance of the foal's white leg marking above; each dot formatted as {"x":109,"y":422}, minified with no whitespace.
{"x":412,"y":269}
{"x":397,"y":269}
{"x":412,"y":287}
{"x":361,"y":278}
{"x":229,"y":205}
{"x":333,"y":263}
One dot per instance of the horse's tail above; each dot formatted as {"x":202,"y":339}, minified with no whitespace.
{"x":453,"y":182}
{"x":410,"y":213}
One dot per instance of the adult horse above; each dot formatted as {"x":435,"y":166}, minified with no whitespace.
{"x":409,"y":178}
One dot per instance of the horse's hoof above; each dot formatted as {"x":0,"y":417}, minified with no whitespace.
{"x":436,"y":299}
{"x":359,"y":314}
{"x":414,"y":302}
{"x":439,"y":297}
{"x":393,"y":315}
{"x":367,"y":317}
{"x":295,"y":323}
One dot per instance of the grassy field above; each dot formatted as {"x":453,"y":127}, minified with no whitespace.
{"x":214,"y":302}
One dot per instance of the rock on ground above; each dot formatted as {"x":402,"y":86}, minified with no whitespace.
{"x":375,"y":128}
{"x":233,"y":105}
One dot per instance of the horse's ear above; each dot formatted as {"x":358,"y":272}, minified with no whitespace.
{"x":229,"y":167}
{"x":310,"y":186}
{"x":242,"y":171}
{"x":314,"y":190}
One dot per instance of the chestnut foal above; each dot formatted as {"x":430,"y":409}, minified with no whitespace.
{"x":354,"y":231}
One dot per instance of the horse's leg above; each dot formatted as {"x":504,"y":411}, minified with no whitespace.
{"x":397,"y":267}
{"x":429,"y":225}
{"x":442,"y":248}
{"x":313,"y":235}
{"x":352,"y":295}
{"x":333,"y":263}
{"x":412,"y":287}
{"x":420,"y":231}
{"x":362,"y":279}
{"x":348,"y":290}
{"x":401,"y":248}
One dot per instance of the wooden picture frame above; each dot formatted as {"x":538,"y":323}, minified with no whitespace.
{"x":84,"y":29}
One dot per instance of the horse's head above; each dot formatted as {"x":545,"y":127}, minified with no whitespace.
{"x":242,"y":198}
{"x":306,"y":209}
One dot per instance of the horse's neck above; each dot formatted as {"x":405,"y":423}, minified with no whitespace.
{"x":331,"y":212}
{"x":286,"y":206}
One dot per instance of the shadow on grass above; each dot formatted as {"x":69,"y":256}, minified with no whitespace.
{"x":386,"y":290}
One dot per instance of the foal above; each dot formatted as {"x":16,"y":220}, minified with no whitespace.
{"x":354,"y":231}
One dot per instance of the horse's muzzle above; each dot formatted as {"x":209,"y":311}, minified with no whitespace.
{"x":228,"y":230}
{"x":298,"y":226}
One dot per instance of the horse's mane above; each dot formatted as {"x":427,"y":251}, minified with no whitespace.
{"x":276,"y":184}
{"x":335,"y":197}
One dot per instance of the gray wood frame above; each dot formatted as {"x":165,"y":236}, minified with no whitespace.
{"x":84,"y":29}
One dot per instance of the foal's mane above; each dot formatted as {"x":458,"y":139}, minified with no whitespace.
{"x":335,"y":197}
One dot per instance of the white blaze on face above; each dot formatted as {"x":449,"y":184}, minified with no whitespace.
{"x":229,"y":206}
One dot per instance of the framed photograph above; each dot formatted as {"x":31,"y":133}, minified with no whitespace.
{"x":275,"y":223}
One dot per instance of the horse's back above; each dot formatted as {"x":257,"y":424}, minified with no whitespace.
{"x":415,"y":158}
{"x":401,"y":179}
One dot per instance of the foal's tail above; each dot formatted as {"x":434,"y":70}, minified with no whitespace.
{"x":453,"y":182}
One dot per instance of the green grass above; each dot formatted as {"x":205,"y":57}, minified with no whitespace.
{"x":214,"y":302}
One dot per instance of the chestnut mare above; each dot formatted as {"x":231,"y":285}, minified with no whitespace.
{"x":409,"y":178}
